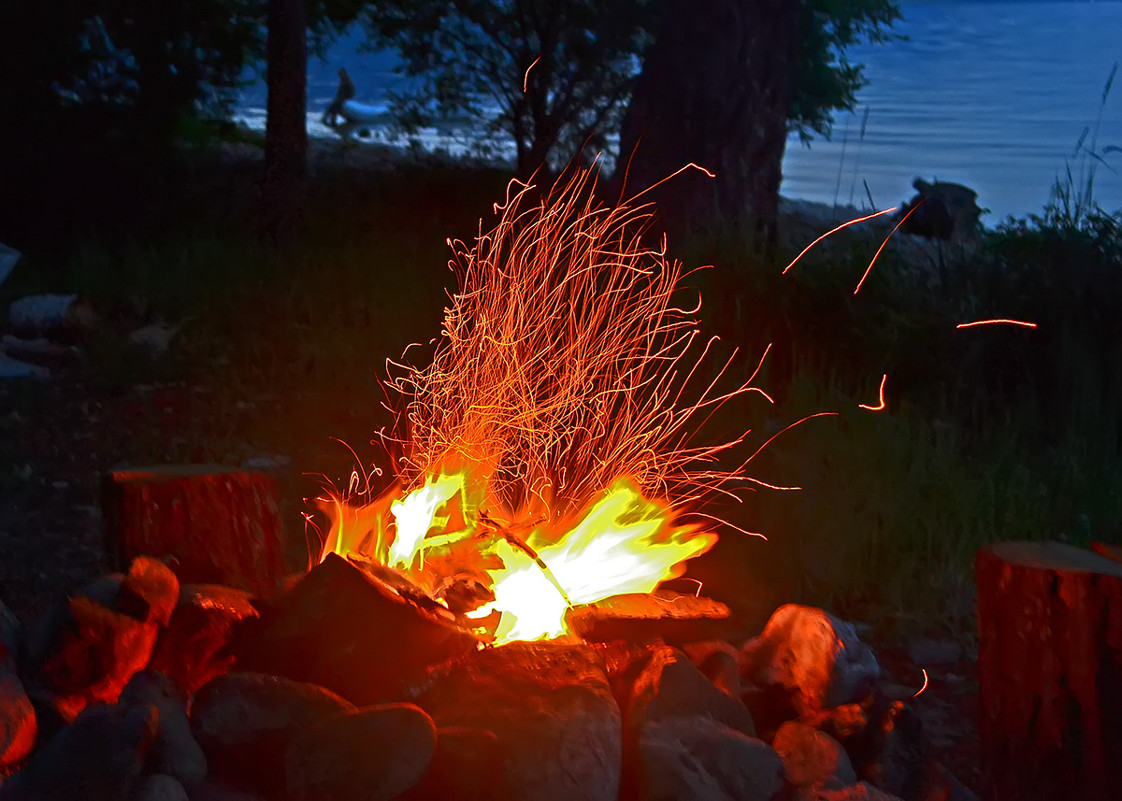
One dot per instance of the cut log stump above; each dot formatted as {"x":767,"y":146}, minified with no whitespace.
{"x":1050,"y":670}
{"x":212,"y":524}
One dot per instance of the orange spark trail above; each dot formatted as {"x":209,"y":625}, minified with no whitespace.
{"x":880,"y":405}
{"x":526,"y":76}
{"x":919,"y":692}
{"x":869,"y":269}
{"x":834,"y":231}
{"x":997,"y":321}
{"x":565,"y":364}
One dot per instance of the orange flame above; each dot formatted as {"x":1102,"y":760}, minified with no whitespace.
{"x":547,"y":449}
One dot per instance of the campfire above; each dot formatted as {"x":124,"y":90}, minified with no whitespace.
{"x":546,"y":453}
{"x":484,"y":618}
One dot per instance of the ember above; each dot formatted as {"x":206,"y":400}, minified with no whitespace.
{"x":546,"y":454}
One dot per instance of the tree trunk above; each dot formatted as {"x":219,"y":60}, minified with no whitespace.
{"x":715,"y":90}
{"x":286,"y":130}
{"x":1050,"y":670}
{"x":214,"y":525}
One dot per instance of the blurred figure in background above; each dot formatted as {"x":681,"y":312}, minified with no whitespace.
{"x":345,"y":92}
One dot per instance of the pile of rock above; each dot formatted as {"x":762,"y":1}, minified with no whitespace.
{"x":348,"y":686}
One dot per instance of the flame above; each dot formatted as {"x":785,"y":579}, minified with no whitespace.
{"x":545,"y":454}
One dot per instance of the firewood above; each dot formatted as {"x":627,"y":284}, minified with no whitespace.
{"x":1050,"y":670}
{"x":649,"y":617}
{"x":212,"y":524}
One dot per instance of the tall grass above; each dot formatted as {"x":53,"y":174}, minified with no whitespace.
{"x":1072,"y":199}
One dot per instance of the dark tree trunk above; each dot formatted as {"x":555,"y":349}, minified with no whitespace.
{"x":1050,"y":672}
{"x":286,"y":131}
{"x":715,"y":90}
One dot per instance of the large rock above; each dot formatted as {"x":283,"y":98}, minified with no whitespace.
{"x":99,"y":757}
{"x":18,"y":725}
{"x":175,"y":751}
{"x":372,"y":754}
{"x":97,"y":651}
{"x":941,"y":210}
{"x":671,"y":686}
{"x":160,"y":787}
{"x":464,"y":766}
{"x":245,"y":722}
{"x":812,"y":758}
{"x":701,"y":759}
{"x":549,"y":705}
{"x":195,"y":646}
{"x":816,"y":659}
{"x":368,"y":638}
{"x":861,"y":791}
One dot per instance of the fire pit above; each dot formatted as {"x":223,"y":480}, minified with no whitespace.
{"x":486,"y":620}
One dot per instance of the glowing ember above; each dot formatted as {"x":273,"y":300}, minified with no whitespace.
{"x":545,"y":454}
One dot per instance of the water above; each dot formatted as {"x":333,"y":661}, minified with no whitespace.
{"x":992,"y":95}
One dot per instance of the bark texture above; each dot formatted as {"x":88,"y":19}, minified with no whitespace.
{"x":286,"y":129}
{"x":715,"y":90}
{"x":213,"y":525}
{"x":1050,"y":669}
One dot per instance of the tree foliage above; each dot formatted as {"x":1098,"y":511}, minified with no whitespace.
{"x":825,"y":80}
{"x":553,"y":74}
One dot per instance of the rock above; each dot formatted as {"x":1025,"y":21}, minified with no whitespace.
{"x":14,"y":368}
{"x":18,"y":724}
{"x":175,"y":751}
{"x":148,"y":592}
{"x":661,"y":615}
{"x":941,"y":210}
{"x":551,"y":708}
{"x":371,"y":754}
{"x":99,"y":757}
{"x":861,"y":791}
{"x":812,"y":757}
{"x":337,"y":626}
{"x":816,"y":659}
{"x":464,"y":766}
{"x":195,"y":646}
{"x":96,"y":653}
{"x":719,"y":662}
{"x":9,"y":258}
{"x":213,"y":791}
{"x":160,"y":787}
{"x":245,"y":721}
{"x":670,"y":686}
{"x":701,"y":759}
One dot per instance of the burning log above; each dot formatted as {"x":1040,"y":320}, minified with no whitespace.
{"x":359,"y":636}
{"x":212,"y":524}
{"x":648,"y":617}
{"x":1050,"y":668}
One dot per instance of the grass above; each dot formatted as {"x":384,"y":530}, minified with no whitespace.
{"x":992,"y":434}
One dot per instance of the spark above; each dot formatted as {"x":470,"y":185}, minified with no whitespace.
{"x":919,"y":692}
{"x":873,"y":261}
{"x":880,"y":404}
{"x":676,"y":172}
{"x":554,"y":379}
{"x":526,"y":76}
{"x":834,"y":231}
{"x":997,"y":321}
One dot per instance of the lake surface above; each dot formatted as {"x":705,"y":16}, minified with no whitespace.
{"x":992,"y":95}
